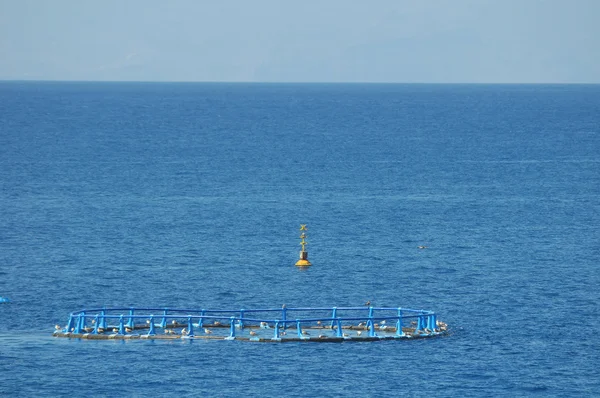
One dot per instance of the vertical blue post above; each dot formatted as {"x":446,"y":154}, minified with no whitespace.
{"x":299,"y":329}
{"x":399,"y":331}
{"x":420,"y":322}
{"x":71,"y":324}
{"x":121,"y":325}
{"x":276,"y":337}
{"x":190,"y":326}
{"x":333,"y":316}
{"x":339,"y":328}
{"x":151,"y":331}
{"x":163,"y":323}
{"x":241,"y":319}
{"x":370,"y":312}
{"x":78,"y":323}
{"x":430,"y":322}
{"x":201,"y":320}
{"x":284,"y":316}
{"x":371,"y":327}
{"x":82,"y":320}
{"x":103,"y":320}
{"x":130,"y":322}
{"x":96,"y":324}
{"x":231,"y":328}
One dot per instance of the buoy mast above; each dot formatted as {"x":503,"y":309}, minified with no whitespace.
{"x":303,"y":262}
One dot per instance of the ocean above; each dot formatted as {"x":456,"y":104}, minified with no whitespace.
{"x":191,"y":195}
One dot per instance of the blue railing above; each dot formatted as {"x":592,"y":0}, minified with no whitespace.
{"x":257,"y":324}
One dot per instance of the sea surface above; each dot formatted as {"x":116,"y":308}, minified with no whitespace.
{"x":192,"y":195}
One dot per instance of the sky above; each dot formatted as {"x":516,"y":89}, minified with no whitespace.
{"x":403,"y":41}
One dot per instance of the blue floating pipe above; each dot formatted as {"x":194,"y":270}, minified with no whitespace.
{"x":70,"y":324}
{"x":131,"y":322}
{"x":190,"y":327}
{"x":339,"y":328}
{"x":276,"y":337}
{"x":333,"y":316}
{"x":231,"y":328}
{"x":151,"y":331}
{"x":96,"y":323}
{"x":121,"y":325}
{"x":163,"y":323}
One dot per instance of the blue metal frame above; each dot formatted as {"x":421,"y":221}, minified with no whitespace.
{"x":332,"y":323}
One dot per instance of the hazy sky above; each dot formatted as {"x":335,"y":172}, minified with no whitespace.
{"x":302,"y":40}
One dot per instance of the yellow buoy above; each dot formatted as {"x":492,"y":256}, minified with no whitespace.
{"x":303,"y":262}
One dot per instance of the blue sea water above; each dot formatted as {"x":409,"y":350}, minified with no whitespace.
{"x":191,"y":195}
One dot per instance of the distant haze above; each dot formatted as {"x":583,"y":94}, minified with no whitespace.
{"x":437,"y":41}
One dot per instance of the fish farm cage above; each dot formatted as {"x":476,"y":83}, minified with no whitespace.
{"x":283,"y":324}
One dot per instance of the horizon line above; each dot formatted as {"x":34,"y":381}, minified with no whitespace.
{"x":288,"y":82}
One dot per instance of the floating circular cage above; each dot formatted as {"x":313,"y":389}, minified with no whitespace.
{"x":263,"y":325}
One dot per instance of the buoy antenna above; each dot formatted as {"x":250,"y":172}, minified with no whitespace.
{"x":303,"y":262}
